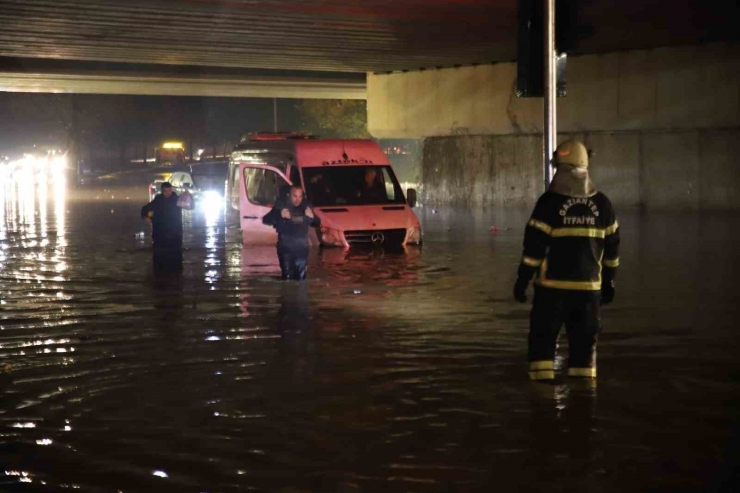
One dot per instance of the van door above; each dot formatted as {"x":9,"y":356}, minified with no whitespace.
{"x":261,"y":188}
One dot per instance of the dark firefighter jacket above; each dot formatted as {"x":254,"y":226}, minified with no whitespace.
{"x":166,"y":219}
{"x":293,"y":232}
{"x":573,"y":243}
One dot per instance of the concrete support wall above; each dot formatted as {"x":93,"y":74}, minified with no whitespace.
{"x":686,"y":87}
{"x":665,"y":125}
{"x":681,"y":170}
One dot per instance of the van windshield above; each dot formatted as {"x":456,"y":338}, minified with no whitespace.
{"x":352,"y":185}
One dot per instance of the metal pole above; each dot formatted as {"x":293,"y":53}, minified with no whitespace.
{"x":274,"y":114}
{"x":550,"y":124}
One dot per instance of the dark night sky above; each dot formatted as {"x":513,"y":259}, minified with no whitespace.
{"x":107,"y":121}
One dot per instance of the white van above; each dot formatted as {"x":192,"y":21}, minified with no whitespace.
{"x":350,"y":184}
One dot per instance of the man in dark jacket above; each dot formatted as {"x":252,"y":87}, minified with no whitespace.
{"x":572,"y":243}
{"x":291,"y":217}
{"x":165,"y":217}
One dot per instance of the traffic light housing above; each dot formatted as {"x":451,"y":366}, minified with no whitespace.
{"x":530,"y":44}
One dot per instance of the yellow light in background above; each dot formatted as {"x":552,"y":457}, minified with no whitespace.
{"x":172,"y":145}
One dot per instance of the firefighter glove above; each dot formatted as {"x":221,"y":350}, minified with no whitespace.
{"x":607,"y":292}
{"x":520,"y":290}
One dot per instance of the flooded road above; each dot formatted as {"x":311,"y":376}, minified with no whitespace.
{"x":385,"y":371}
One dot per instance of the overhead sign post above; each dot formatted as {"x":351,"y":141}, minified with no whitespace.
{"x":550,"y":130}
{"x":547,"y":32}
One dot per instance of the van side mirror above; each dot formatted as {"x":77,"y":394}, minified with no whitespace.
{"x":411,"y":197}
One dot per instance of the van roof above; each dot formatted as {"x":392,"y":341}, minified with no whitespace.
{"x":311,"y":153}
{"x":324,"y":152}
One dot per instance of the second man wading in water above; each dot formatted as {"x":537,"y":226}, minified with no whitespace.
{"x":164,"y":213}
{"x":291,"y":218}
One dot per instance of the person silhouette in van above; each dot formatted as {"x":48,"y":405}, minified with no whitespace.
{"x":291,"y":218}
{"x":372,"y":190}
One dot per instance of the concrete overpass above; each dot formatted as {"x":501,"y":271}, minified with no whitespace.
{"x":84,"y":77}
{"x":144,"y":39}
{"x":654,"y":87}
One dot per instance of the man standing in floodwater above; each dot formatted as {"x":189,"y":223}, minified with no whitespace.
{"x":165,"y":216}
{"x":572,"y":243}
{"x":291,"y":218}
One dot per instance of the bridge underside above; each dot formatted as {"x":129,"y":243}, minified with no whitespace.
{"x":53,"y":76}
{"x":331,"y":36}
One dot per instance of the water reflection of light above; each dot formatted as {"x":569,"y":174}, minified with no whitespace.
{"x":23,"y":476}
{"x":212,"y":205}
{"x":3,"y":205}
{"x":27,"y":189}
{"x":25,"y":185}
{"x":38,"y":342}
{"x":3,"y":227}
{"x":23,"y":425}
{"x":60,"y":210}
{"x":43,"y":202}
{"x":60,"y":203}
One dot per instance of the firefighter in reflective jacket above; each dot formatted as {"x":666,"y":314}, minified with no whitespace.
{"x":572,"y":244}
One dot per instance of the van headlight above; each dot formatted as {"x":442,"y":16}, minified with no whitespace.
{"x":331,"y":237}
{"x":212,"y":202}
{"x":413,"y":235}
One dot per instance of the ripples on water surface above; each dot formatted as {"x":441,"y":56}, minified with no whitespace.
{"x":384,"y":372}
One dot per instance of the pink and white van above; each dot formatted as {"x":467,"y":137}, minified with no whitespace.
{"x":350,"y":184}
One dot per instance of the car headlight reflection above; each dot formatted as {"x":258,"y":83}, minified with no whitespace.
{"x":331,"y":237}
{"x":413,"y":235}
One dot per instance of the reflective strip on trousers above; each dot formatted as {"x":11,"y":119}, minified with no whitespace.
{"x":541,"y":365}
{"x":582,"y":372}
{"x":542,"y":375}
{"x":541,"y":370}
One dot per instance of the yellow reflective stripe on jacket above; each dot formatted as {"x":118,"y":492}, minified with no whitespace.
{"x":580,"y":232}
{"x":541,"y":365}
{"x":572,"y":285}
{"x":612,"y":263}
{"x":582,"y":372}
{"x":544,"y":227}
{"x":612,"y":229}
{"x":532,"y":262}
{"x":542,"y":375}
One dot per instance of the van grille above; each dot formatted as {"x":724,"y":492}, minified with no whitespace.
{"x":388,"y":237}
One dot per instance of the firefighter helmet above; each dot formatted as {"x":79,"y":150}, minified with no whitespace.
{"x":572,"y":152}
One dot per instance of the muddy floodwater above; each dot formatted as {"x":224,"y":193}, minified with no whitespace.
{"x":385,"y":371}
